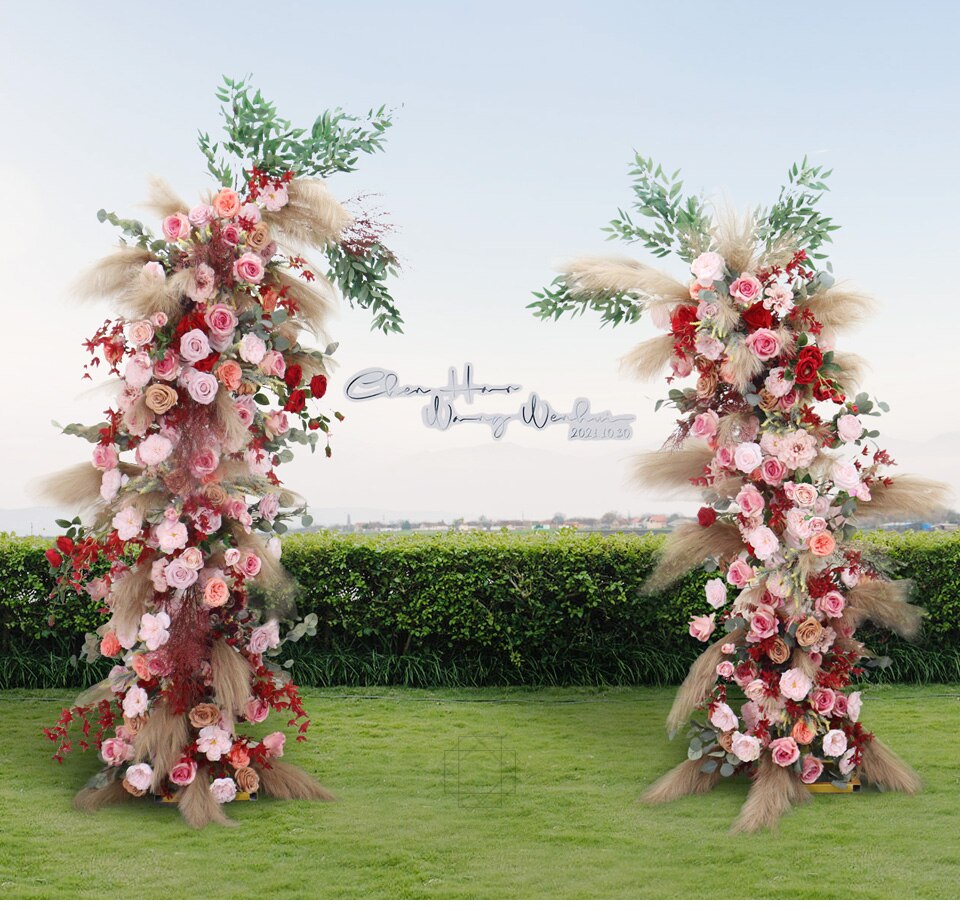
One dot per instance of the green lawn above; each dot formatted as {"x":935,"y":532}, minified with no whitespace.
{"x":416,"y":819}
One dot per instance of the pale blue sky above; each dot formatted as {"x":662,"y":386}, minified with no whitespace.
{"x":515,"y":125}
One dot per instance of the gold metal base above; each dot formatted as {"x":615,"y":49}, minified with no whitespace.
{"x":852,"y":786}
{"x":239,"y":798}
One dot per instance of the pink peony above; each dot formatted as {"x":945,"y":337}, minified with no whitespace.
{"x":746,"y":748}
{"x":722,"y":717}
{"x":135,"y":702}
{"x":214,"y":742}
{"x":745,"y":288}
{"x":777,"y":384}
{"x":784,"y":751}
{"x":274,"y":742}
{"x":128,"y":522}
{"x":154,"y":630}
{"x":764,"y":542}
{"x":797,"y":449}
{"x":252,"y":349}
{"x":155,"y":449}
{"x":702,"y":627}
{"x":176,"y":227}
{"x":778,"y":299}
{"x":223,"y":790}
{"x":274,"y":197}
{"x":708,"y":268}
{"x":140,"y":776}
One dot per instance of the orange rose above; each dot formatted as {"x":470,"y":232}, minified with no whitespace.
{"x":204,"y":715}
{"x":141,"y":667}
{"x":268,"y":299}
{"x":226,"y":203}
{"x":230,"y":374}
{"x":216,"y":593}
{"x":110,"y":645}
{"x":802,"y":732}
{"x":726,"y":740}
{"x":247,"y":780}
{"x":822,"y":543}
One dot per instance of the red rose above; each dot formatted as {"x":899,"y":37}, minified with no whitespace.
{"x":318,"y":385}
{"x":706,"y":517}
{"x":54,"y":558}
{"x":756,"y":317}
{"x":808,"y":363}
{"x":296,"y":402}
{"x":822,"y":390}
{"x":293,"y":376}
{"x":207,"y":364}
{"x":65,"y":545}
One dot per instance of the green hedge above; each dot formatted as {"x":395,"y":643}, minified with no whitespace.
{"x":479,"y":608}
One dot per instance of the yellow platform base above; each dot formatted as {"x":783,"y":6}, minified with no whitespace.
{"x":852,"y":786}
{"x":239,"y":798}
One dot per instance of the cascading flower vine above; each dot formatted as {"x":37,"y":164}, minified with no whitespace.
{"x":181,"y":545}
{"x":772,"y":431}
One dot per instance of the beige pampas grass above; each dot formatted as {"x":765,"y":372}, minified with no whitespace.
{"x":162,"y":200}
{"x":284,"y":781}
{"x":906,"y":497}
{"x":312,"y":217}
{"x":801,"y":660}
{"x":851,"y":372}
{"x":91,"y":800}
{"x":235,"y":434}
{"x":649,"y":358}
{"x":316,"y":300}
{"x":590,"y":274}
{"x":730,"y":428}
{"x":197,"y":805}
{"x":882,"y":768}
{"x":734,"y":238}
{"x":671,"y":470}
{"x":130,"y":597}
{"x":885,"y":604}
{"x":231,"y":678}
{"x":161,"y":741}
{"x":120,"y":277}
{"x":772,"y":792}
{"x":687,"y":547}
{"x":839,"y":308}
{"x":77,"y":487}
{"x":685,"y":779}
{"x":310,"y":365}
{"x":742,"y":363}
{"x":699,"y":682}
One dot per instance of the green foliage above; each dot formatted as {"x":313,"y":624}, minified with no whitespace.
{"x":558,"y":299}
{"x":257,"y":135}
{"x":680,"y":225}
{"x":361,"y":275}
{"x":795,"y":216}
{"x":484,"y":609}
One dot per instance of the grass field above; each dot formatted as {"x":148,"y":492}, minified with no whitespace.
{"x":487,"y":793}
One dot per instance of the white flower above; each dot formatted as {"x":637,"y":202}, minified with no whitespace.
{"x":171,"y":535}
{"x":252,"y":348}
{"x":140,"y":776}
{"x":153,"y":629}
{"x":854,"y":703}
{"x":723,"y":718}
{"x":746,"y":748}
{"x":795,"y":684}
{"x":128,"y":522}
{"x":223,"y":789}
{"x":835,"y":743}
{"x":134,"y":702}
{"x":716,"y":592}
{"x":214,"y":742}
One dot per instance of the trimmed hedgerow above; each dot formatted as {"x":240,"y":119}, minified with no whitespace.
{"x":479,"y":609}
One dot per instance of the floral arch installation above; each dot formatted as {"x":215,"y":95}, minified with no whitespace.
{"x":775,"y":434}
{"x":181,"y":507}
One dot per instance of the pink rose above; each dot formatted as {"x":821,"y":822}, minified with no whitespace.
{"x":776,"y":382}
{"x":823,"y":701}
{"x":764,"y":343}
{"x":745,"y":288}
{"x":746,"y":748}
{"x":256,"y":710}
{"x":249,"y":564}
{"x":705,"y":425}
{"x":201,"y":215}
{"x":154,"y":450}
{"x":722,"y":717}
{"x":153,"y":271}
{"x":179,"y":575}
{"x":708,"y":268}
{"x":203,"y":462}
{"x":116,"y":751}
{"x":763,"y":624}
{"x":740,"y":573}
{"x":803,"y":494}
{"x":849,"y":428}
{"x":750,"y":500}
{"x":811,"y":769}
{"x":784,"y":751}
{"x":723,"y":457}
{"x":745,"y":673}
{"x":140,"y":776}
{"x":795,"y":684}
{"x":194,"y":346}
{"x":248,"y":269}
{"x":274,"y":742}
{"x":840,"y":705}
{"x":139,"y":370}
{"x":105,"y":457}
{"x":772,"y":470}
{"x":269,"y":506}
{"x":709,"y":347}
{"x":725,"y":669}
{"x":273,"y":364}
{"x":716,"y":592}
{"x":216,"y":593}
{"x":246,"y":409}
{"x":230,"y":234}
{"x":176,"y":227}
{"x":183,"y":773}
{"x":202,"y":283}
{"x":747,"y":457}
{"x":140,"y":332}
{"x":702,"y":627}
{"x":202,"y":387}
{"x":221,"y":319}
{"x":264,"y":637}
{"x":223,"y":790}
{"x":845,"y":475}
{"x":764,"y":542}
{"x":168,"y":366}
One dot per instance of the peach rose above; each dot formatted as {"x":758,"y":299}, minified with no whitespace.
{"x":141,"y":666}
{"x":226,"y":203}
{"x":230,"y":374}
{"x":238,"y":756}
{"x":258,"y":238}
{"x":132,"y":790}
{"x":808,"y":632}
{"x":822,"y":543}
{"x":248,"y":781}
{"x":110,"y":645}
{"x":802,"y":732}
{"x":268,"y":299}
{"x":779,"y":651}
{"x":204,"y":715}
{"x":216,"y":593}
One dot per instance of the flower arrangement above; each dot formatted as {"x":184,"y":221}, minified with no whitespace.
{"x":184,"y":506}
{"x":774,"y":433}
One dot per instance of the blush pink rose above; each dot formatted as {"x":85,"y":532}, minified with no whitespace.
{"x":274,"y":743}
{"x":784,"y":751}
{"x":708,"y":268}
{"x":176,"y":227}
{"x":709,"y":347}
{"x":746,"y":748}
{"x":139,"y":370}
{"x":763,"y":624}
{"x":105,"y":457}
{"x":832,"y":604}
{"x":747,"y":457}
{"x":702,"y":627}
{"x":168,"y":366}
{"x":835,"y":743}
{"x":202,"y":387}
{"x":745,"y":288}
{"x":722,"y":717}
{"x":764,"y":343}
{"x":203,"y":462}
{"x":183,"y":773}
{"x":273,"y":364}
{"x":194,"y":346}
{"x":265,"y":637}
{"x":764,"y":542}
{"x":811,"y":769}
{"x":705,"y":425}
{"x":772,"y":470}
{"x":845,"y":475}
{"x":823,"y":700}
{"x":249,"y":269}
{"x":252,"y":348}
{"x":716,"y":592}
{"x":221,"y":319}
{"x":725,"y":669}
{"x":849,"y":428}
{"x":740,"y":573}
{"x":249,"y":564}
{"x":116,"y":751}
{"x":750,"y":500}
{"x":776,"y":382}
{"x":140,"y":776}
{"x":256,"y":710}
{"x":201,"y":215}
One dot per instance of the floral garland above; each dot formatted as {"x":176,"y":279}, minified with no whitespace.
{"x":183,"y":549}
{"x":774,"y":436}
